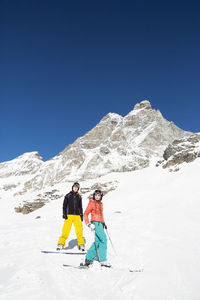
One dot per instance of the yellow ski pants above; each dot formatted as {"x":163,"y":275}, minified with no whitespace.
{"x":76,"y":220}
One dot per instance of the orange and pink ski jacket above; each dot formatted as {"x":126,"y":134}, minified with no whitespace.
{"x":96,"y":215}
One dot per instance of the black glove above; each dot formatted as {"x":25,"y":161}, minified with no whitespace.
{"x":81,"y":217}
{"x":104,"y":225}
{"x":65,"y":217}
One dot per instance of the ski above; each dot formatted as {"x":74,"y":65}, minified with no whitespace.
{"x":76,"y":267}
{"x":63,"y":252}
{"x":109,"y":267}
{"x":82,"y":266}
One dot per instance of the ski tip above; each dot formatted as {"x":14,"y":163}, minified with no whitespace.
{"x":63,"y":252}
{"x":136,"y":270}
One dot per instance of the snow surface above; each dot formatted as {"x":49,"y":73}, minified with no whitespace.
{"x":153,"y":220}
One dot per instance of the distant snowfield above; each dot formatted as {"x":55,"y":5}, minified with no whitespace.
{"x":153,"y":218}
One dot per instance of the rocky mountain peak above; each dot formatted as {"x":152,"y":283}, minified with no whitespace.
{"x":30,"y":155}
{"x":111,"y":116}
{"x":143,"y":104}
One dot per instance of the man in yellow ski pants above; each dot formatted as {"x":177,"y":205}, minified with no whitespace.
{"x":72,"y":213}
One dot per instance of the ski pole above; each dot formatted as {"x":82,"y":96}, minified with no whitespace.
{"x":111,"y":242}
{"x":96,"y":247}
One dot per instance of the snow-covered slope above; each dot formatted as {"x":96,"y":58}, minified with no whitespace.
{"x":153,"y":220}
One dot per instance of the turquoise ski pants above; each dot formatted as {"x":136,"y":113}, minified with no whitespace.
{"x":101,"y":241}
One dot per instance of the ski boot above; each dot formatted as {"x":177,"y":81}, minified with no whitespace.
{"x":105,"y":264}
{"x":86,"y":264}
{"x":81,"y":247}
{"x":60,"y":247}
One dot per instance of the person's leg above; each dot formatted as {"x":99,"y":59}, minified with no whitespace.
{"x":91,"y":253}
{"x":101,"y":240}
{"x":65,"y":231}
{"x":79,"y":230}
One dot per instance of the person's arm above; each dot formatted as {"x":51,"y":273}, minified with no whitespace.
{"x":104,"y":224}
{"x":81,"y":209}
{"x":86,"y":213}
{"x":65,"y":204}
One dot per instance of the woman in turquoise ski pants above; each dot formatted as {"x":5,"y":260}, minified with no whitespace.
{"x":101,"y":243}
{"x":97,"y":225}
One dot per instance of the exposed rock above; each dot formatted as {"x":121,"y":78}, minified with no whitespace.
{"x":105,"y":187}
{"x":159,"y":163}
{"x":183,"y":150}
{"x":144,"y":104}
{"x":181,"y":158}
{"x":8,"y":187}
{"x":29,"y":206}
{"x":104,"y":150}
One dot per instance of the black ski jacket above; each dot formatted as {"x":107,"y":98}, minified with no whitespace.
{"x":72,"y":205}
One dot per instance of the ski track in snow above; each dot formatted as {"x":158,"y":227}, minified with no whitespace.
{"x":153,"y":220}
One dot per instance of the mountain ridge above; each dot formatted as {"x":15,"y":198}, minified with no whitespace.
{"x":115,"y":144}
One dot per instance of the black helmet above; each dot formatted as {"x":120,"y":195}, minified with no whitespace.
{"x":98,"y":192}
{"x":76,"y":184}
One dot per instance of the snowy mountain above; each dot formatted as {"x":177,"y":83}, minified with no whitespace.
{"x":116,"y":144}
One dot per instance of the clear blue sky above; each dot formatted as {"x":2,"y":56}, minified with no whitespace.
{"x":66,"y":64}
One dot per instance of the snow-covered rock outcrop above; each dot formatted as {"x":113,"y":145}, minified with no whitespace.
{"x":180,"y":151}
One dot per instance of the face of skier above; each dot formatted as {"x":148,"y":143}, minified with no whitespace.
{"x":97,"y":197}
{"x":75,"y":188}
